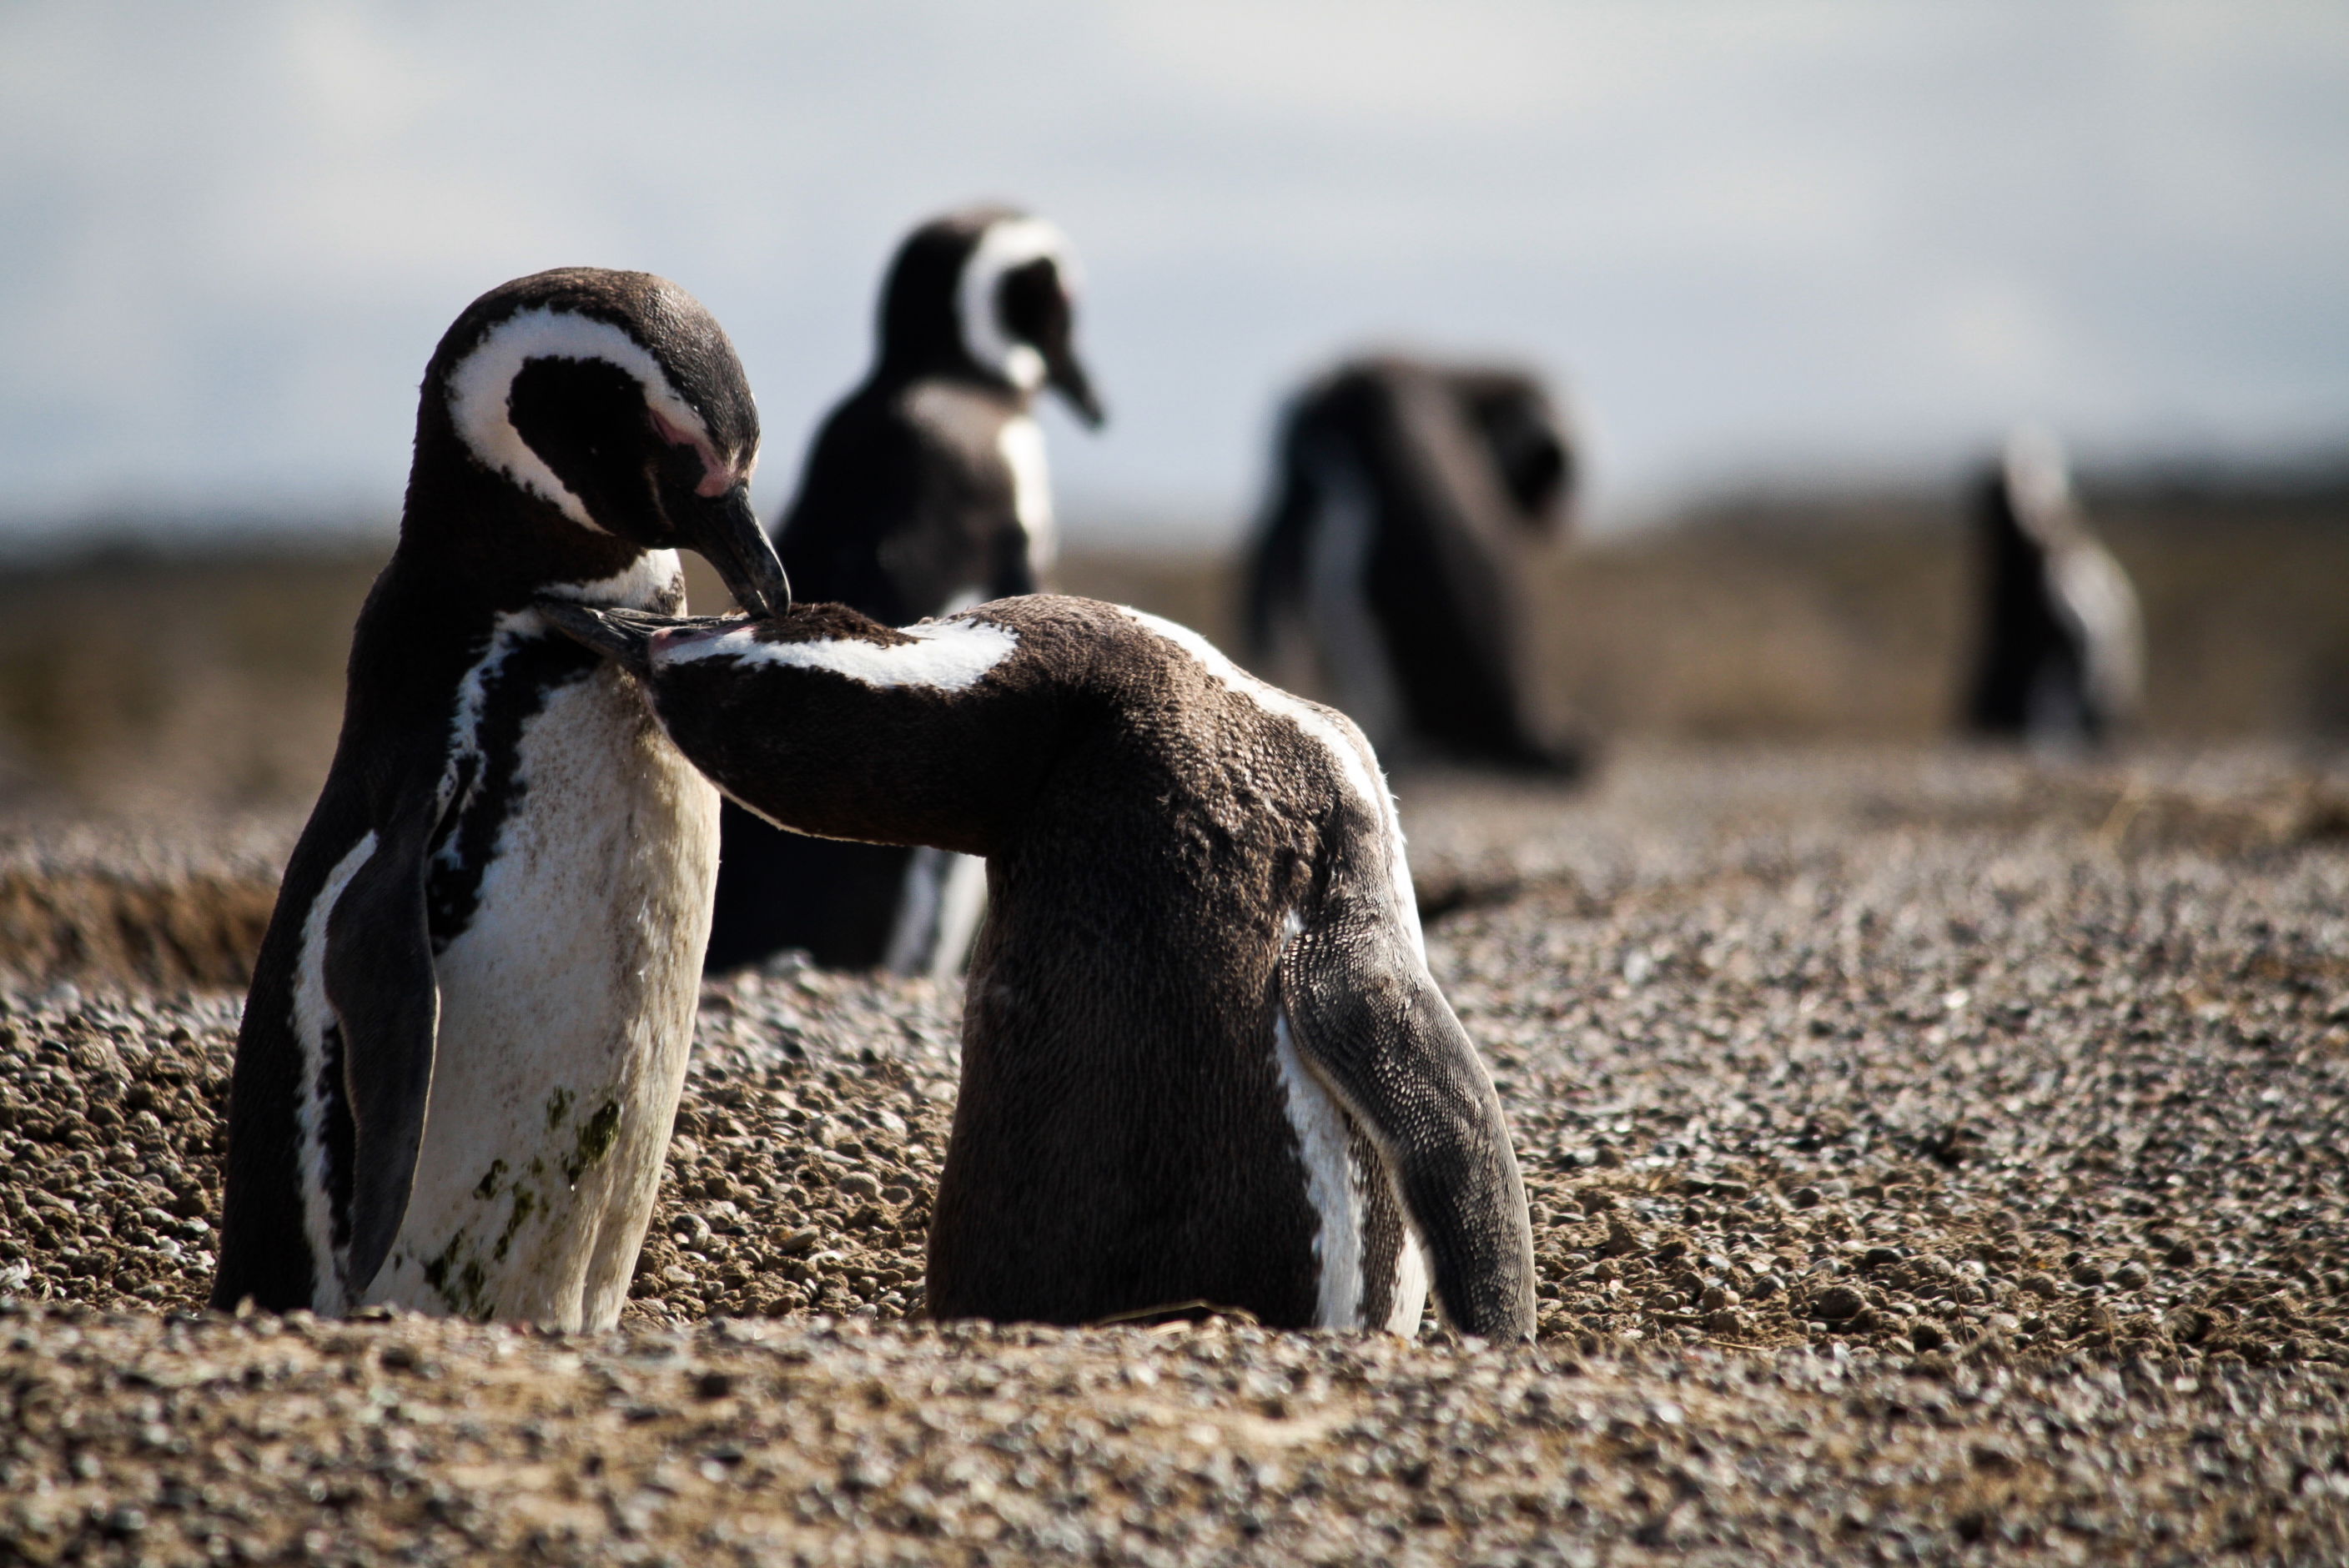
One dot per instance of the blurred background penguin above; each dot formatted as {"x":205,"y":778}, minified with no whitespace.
{"x":924,"y":493}
{"x":2060,"y":662}
{"x":1390,"y":572}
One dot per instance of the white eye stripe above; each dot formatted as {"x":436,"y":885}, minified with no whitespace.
{"x":1005,"y":246}
{"x":482,"y":381}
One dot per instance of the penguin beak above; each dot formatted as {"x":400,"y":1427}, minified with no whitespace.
{"x":725,"y":532}
{"x":1066,"y":375}
{"x":623,"y":636}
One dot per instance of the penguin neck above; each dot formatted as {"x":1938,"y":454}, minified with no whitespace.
{"x":826,"y":722}
{"x":903,"y":365}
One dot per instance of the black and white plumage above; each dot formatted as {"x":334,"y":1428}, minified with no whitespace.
{"x":2061,"y":655}
{"x":467,"y":1026}
{"x":925,"y":492}
{"x":1389,"y":570}
{"x":1203,"y":1060}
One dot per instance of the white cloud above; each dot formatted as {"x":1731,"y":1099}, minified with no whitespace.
{"x":230,"y":234}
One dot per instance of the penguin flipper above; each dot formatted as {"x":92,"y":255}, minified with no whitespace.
{"x":387,"y":1000}
{"x":1366,"y":1013}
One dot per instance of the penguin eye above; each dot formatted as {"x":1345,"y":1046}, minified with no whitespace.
{"x":679,"y":464}
{"x":689,"y":459}
{"x":1033,"y":306}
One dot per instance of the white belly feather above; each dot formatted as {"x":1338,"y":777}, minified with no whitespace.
{"x":566,"y":1012}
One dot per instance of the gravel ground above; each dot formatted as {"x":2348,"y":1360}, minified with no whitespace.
{"x":1934,"y":1157}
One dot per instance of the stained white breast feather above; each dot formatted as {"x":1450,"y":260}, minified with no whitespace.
{"x":566,"y":1008}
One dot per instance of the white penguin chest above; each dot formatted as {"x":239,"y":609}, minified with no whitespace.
{"x":566,"y":1012}
{"x":1021,"y":444}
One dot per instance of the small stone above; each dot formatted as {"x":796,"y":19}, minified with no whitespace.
{"x":1839,"y":1303}
{"x":2039,"y":1283}
{"x":2088,"y":1271}
{"x":2130,"y":1276}
{"x":1806,"y":1197}
{"x":1995,"y":1458}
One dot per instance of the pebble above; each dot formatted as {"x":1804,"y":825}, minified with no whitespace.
{"x":1784,"y":1187}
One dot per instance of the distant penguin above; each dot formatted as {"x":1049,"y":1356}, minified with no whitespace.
{"x":1391,"y":565}
{"x":1204,"y":1060}
{"x":925,"y":492}
{"x":467,"y":1026}
{"x":2062,"y":653}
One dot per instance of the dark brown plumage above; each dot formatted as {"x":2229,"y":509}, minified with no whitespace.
{"x":1392,"y":555}
{"x":1200,"y":979}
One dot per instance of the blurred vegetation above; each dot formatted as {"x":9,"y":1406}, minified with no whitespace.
{"x":1853,"y":618}
{"x":134,"y":679}
{"x":137,"y":679}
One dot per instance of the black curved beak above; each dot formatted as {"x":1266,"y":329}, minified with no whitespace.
{"x":1066,"y":375}
{"x":725,"y":532}
{"x":624,"y":636}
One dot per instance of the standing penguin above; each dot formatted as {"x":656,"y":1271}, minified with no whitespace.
{"x":2062,"y":656}
{"x":1395,"y":553}
{"x":467,"y":1026}
{"x":1203,"y":1057}
{"x":924,"y":493}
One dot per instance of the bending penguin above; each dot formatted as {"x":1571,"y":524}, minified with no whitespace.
{"x":1389,"y":569}
{"x":1204,"y":1061}
{"x":467,"y":1026}
{"x":2062,"y":655}
{"x":924,"y":493}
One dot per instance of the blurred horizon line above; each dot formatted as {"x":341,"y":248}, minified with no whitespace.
{"x":1889,"y":491}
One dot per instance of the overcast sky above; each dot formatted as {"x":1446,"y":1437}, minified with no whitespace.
{"x":1751,"y":238}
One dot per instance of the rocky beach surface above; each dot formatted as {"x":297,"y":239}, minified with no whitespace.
{"x":1934,"y":1157}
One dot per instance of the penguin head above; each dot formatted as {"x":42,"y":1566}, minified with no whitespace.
{"x":990,"y":291}
{"x":613,"y":404}
{"x":1522,"y":430}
